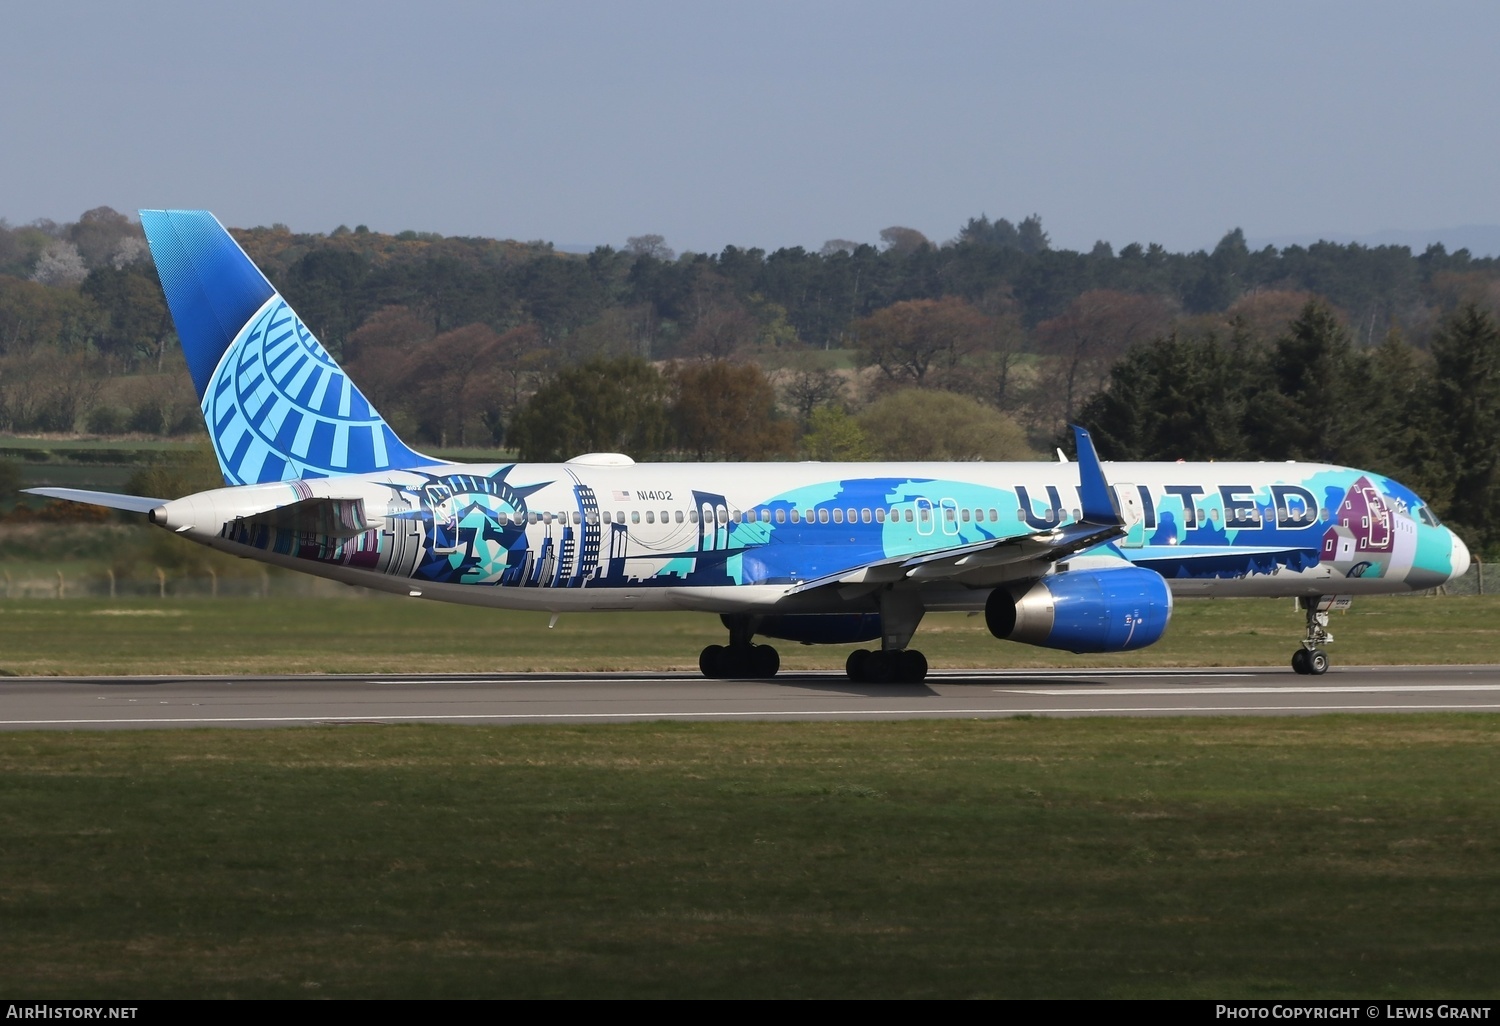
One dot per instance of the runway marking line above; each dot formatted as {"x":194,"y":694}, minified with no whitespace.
{"x":340,"y":718}
{"x":1331,"y":689}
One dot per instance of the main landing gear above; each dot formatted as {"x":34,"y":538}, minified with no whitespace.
{"x":886,"y":666}
{"x":1310,"y":659}
{"x":893,"y":662}
{"x":740,"y":658}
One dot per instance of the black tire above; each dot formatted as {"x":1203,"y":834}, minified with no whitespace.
{"x":856,"y":665}
{"x":1299,"y":661}
{"x":764,"y":661}
{"x":712,"y":662}
{"x":911,"y":667}
{"x":1317,"y":662}
{"x":881,"y":667}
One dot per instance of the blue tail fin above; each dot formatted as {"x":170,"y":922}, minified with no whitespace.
{"x":278,"y":407}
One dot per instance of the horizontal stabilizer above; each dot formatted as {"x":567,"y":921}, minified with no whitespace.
{"x":112,"y":500}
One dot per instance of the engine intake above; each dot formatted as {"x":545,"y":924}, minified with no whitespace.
{"x":1113,"y":610}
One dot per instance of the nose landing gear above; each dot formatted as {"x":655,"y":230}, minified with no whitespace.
{"x":1310,"y":659}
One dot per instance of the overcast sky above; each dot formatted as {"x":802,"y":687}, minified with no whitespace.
{"x":758,"y":123}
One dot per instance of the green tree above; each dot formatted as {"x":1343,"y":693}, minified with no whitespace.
{"x":926,"y":424}
{"x":615,"y":405}
{"x":834,"y":436}
{"x":1173,"y":398}
{"x":1313,"y":402}
{"x":1465,"y":416}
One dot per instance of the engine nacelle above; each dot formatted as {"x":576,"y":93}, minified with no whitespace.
{"x":821,"y":628}
{"x":1111,"y":610}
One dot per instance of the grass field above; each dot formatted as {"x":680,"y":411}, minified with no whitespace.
{"x":1315,"y":857}
{"x":1337,"y":856}
{"x":314,"y":634}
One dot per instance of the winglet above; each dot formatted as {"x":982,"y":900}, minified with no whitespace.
{"x":1093,"y":490}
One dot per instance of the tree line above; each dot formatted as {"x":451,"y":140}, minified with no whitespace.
{"x":1330,"y":351}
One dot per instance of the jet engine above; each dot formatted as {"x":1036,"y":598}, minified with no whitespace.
{"x":1111,"y":610}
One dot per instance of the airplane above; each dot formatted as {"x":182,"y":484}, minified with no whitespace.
{"x":1082,"y":556}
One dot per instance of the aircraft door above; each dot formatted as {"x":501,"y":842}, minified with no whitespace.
{"x":1128,"y":502}
{"x":948,"y":516}
{"x":924,"y":515}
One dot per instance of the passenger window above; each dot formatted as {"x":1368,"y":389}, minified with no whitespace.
{"x":692,"y":516}
{"x":635,"y":516}
{"x":650,"y":517}
{"x":864,"y":515}
{"x":781,"y":516}
{"x":926,"y":515}
{"x":966,"y":516}
{"x":606,"y":516}
{"x":678,"y":516}
{"x":666,"y":517}
{"x":822,"y":516}
{"x":577,"y":518}
{"x":796,"y":517}
{"x":851,"y":515}
{"x":994,"y":515}
{"x":908,"y":515}
{"x":619,"y":516}
{"x":721,"y":515}
{"x":880,"y":516}
{"x":547,"y":518}
{"x":838,"y":516}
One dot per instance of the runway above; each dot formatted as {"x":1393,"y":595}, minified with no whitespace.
{"x":100,"y":703}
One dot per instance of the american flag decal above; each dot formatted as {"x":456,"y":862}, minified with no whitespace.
{"x":621,"y":496}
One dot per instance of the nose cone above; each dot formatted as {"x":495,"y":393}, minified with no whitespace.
{"x":1461,"y":558}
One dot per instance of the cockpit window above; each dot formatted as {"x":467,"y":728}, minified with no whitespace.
{"x":1428,"y":517}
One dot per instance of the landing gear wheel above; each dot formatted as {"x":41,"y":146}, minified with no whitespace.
{"x":712,"y":662}
{"x":1317,"y":662}
{"x":1299,"y":661}
{"x":911,"y":667}
{"x":880,"y":668}
{"x":764,"y":661}
{"x":855,"y":665}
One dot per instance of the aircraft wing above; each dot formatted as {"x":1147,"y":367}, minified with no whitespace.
{"x":1041,"y":548}
{"x":1100,"y":523}
{"x":111,"y":500}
